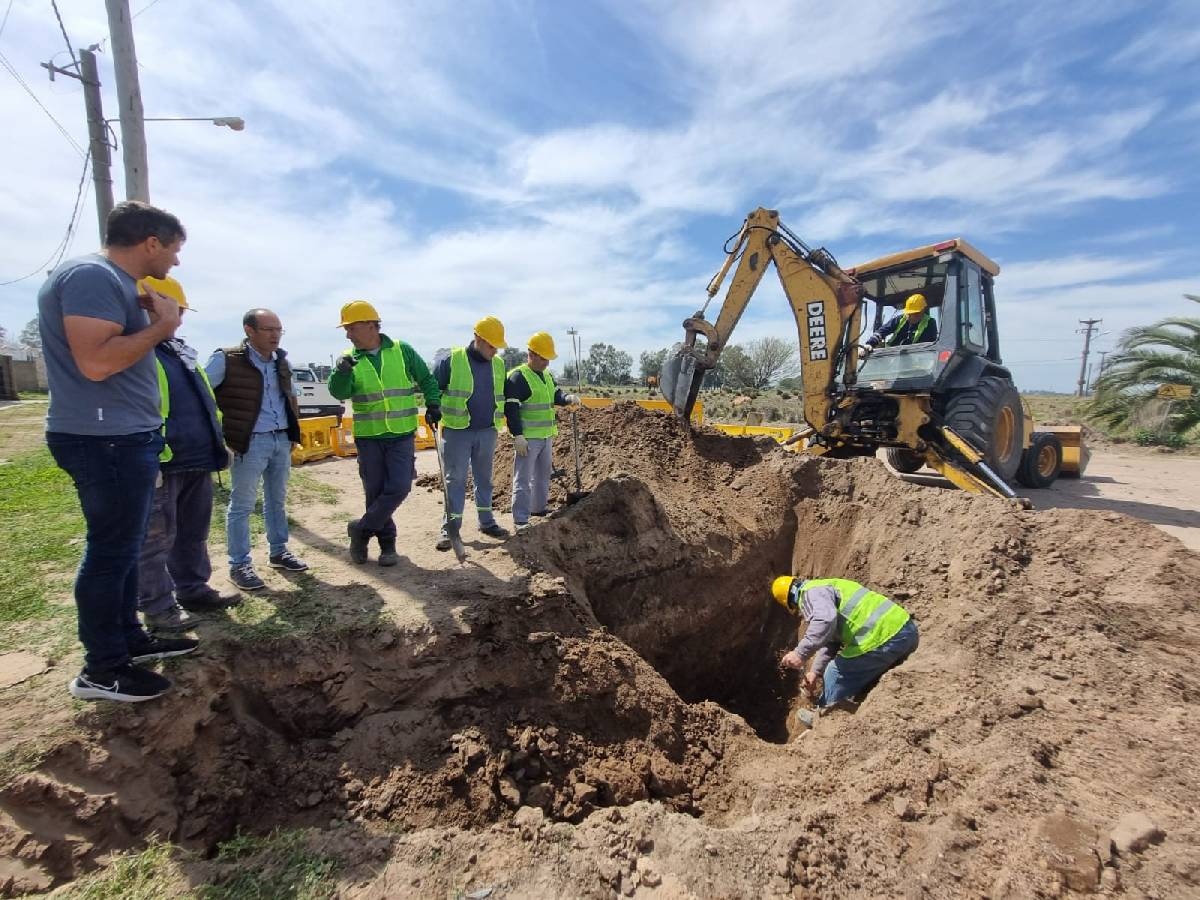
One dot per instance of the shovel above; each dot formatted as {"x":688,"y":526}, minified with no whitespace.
{"x":452,"y":527}
{"x":579,"y":493}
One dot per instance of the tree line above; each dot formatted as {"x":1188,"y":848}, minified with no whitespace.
{"x":30,"y":336}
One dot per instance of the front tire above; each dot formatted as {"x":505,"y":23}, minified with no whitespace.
{"x":904,"y":460}
{"x":1041,"y":463}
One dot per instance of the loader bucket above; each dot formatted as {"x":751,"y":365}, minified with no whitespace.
{"x":1075,"y":451}
{"x":675,"y":381}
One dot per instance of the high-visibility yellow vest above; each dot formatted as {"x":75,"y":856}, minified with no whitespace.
{"x":537,"y":413}
{"x":916,"y":338}
{"x":164,"y":403}
{"x":866,"y":620}
{"x":462,"y":386}
{"x":384,"y":402}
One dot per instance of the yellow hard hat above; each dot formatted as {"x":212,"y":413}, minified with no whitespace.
{"x":543,"y":345}
{"x":358,"y":311}
{"x":781,"y":590}
{"x":168,"y":287}
{"x":915,"y":304}
{"x":490,"y":329}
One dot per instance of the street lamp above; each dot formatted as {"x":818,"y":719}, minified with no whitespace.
{"x":235,"y":123}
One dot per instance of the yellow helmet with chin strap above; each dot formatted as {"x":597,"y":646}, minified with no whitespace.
{"x":915,"y":305}
{"x":785,"y":589}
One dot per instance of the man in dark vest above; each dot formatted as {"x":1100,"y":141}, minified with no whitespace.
{"x":174,"y":568}
{"x":261,"y":422}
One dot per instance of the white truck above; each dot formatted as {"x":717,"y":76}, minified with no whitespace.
{"x":313,"y":394}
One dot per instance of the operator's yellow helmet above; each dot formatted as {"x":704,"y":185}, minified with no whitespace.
{"x":915,"y":304}
{"x":543,"y":345}
{"x":490,"y":329}
{"x":786,"y":590}
{"x":358,"y":311}
{"x":168,"y":287}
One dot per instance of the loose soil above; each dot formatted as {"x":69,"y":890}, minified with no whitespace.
{"x":593,"y":708}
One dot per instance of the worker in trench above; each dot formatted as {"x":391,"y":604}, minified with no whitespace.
{"x":852,"y":636}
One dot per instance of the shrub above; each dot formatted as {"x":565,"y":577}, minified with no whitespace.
{"x":1145,"y":437}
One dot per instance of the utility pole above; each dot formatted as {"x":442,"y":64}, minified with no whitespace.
{"x":1089,"y":327}
{"x":97,"y":138}
{"x":133,"y":130}
{"x":97,"y":131}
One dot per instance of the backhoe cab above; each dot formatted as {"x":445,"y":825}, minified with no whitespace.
{"x":949,"y":403}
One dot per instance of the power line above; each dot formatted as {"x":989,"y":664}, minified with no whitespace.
{"x":60,"y":249}
{"x":63,"y":29}
{"x":6,"y":12}
{"x":8,"y":66}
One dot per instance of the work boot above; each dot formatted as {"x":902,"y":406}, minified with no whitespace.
{"x":359,"y":542}
{"x":209,"y":599}
{"x":443,"y":542}
{"x":387,"y":552}
{"x":173,"y":618}
{"x":495,"y":530}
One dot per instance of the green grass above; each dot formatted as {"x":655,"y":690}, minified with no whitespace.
{"x":148,"y":875}
{"x":280,"y":865}
{"x":41,"y":531}
{"x":302,"y":610}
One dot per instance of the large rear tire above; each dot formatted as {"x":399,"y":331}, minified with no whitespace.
{"x":989,"y":417}
{"x":904,"y":460}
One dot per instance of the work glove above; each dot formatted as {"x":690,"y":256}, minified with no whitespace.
{"x":571,"y":399}
{"x":433,"y":415}
{"x":521,"y":443}
{"x":346,"y":363}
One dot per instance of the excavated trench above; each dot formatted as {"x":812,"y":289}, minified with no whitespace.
{"x":586,"y":687}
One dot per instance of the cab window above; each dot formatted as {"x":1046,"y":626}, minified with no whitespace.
{"x":972,"y":320}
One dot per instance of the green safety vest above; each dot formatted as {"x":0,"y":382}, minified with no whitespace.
{"x":385,"y":401}
{"x":866,"y":620}
{"x":164,"y":403}
{"x":462,"y":386}
{"x":537,"y":413}
{"x":916,"y":338}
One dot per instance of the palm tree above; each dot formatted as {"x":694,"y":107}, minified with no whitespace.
{"x":1167,"y":352}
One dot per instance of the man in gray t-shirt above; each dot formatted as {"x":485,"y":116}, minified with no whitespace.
{"x":104,"y":429}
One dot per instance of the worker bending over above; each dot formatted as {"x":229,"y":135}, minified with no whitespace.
{"x":530,"y":396}
{"x":380,"y":376}
{"x":913,"y":326}
{"x":471,"y":379}
{"x":852,"y":635}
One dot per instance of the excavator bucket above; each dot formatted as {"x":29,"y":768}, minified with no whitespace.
{"x":1075,"y":453}
{"x":677,"y":380}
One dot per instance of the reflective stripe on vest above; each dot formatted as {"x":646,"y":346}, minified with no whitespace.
{"x":385,"y":401}
{"x":462,"y":386}
{"x":916,"y":338}
{"x":866,"y":620}
{"x":537,"y":413}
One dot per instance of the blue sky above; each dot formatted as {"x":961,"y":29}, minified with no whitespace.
{"x":580,"y":164}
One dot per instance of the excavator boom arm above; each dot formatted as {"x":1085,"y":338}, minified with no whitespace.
{"x":825,"y":301}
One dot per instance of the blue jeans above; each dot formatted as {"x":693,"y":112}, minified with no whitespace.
{"x":845,"y":678}
{"x":268,"y":459}
{"x":174,"y":563}
{"x":531,"y":479}
{"x":114,"y":476}
{"x":474,"y":448}
{"x":387,"y":466}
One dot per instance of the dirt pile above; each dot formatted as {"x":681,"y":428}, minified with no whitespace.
{"x":613,"y":722}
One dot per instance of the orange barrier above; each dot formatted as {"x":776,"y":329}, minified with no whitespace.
{"x":343,"y":437}
{"x":425,"y":436}
{"x":660,"y":405}
{"x":316,"y":439}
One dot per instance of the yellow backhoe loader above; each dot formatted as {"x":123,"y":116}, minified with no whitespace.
{"x":948,"y":403}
